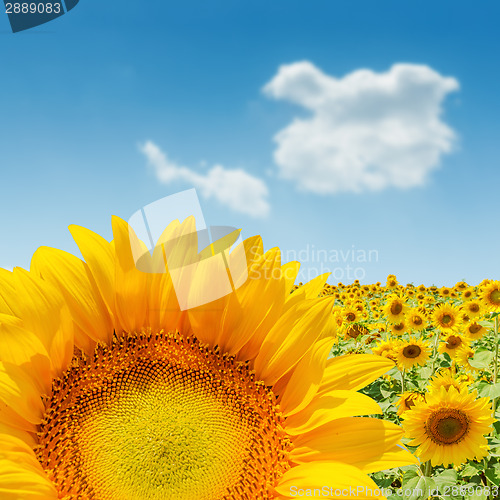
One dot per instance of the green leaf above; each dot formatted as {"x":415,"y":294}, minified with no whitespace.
{"x":471,"y":469}
{"x":488,"y":390}
{"x":418,"y":488}
{"x":481,"y":360}
{"x":447,"y":478}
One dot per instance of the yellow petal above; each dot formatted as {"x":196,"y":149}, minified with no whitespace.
{"x":99,"y":256}
{"x":291,"y":337}
{"x":19,"y":391}
{"x":311,"y":290}
{"x":353,"y":371}
{"x":23,"y":348}
{"x":334,"y":405}
{"x":351,"y":440}
{"x":21,"y":476}
{"x":331,"y":479}
{"x":131,"y":285}
{"x":397,"y":456}
{"x":41,"y":308}
{"x":306,"y":378}
{"x":72,"y":278}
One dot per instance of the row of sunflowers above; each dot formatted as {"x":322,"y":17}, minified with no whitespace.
{"x":444,"y":387}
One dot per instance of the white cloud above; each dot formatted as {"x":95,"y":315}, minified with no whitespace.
{"x":368,"y":130}
{"x":234,"y":188}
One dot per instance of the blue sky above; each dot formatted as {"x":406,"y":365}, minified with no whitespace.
{"x":81,"y":96}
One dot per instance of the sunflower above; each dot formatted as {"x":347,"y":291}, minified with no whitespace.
{"x":473,"y":308}
{"x":110,"y":390}
{"x":491,"y":296}
{"x":415,"y":320}
{"x":446,"y":318}
{"x":407,"y":401}
{"x":385,"y":348}
{"x":411,"y":353}
{"x":467,"y":293}
{"x":463,"y":356}
{"x":392,"y":282}
{"x":350,"y":314}
{"x":395,"y":308}
{"x":446,"y":379}
{"x":449,"y":427}
{"x":475,"y":331}
{"x":451,"y":344}
{"x":398,"y":328}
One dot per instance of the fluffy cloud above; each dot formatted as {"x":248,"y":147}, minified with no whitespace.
{"x":368,"y":130}
{"x":234,"y":188}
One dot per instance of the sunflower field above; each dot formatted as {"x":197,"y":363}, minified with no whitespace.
{"x":444,"y":388}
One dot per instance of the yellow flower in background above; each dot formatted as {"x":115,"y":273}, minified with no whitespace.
{"x":446,"y":318}
{"x":446,"y":379}
{"x":467,"y":294}
{"x":491,"y":296}
{"x":109,"y":390}
{"x":473,"y":308}
{"x":474,"y":331}
{"x":463,"y":356}
{"x":392,"y":282}
{"x":398,"y":329}
{"x":415,"y":320}
{"x":407,"y":401}
{"x":385,"y":349}
{"x":411,"y":353}
{"x":450,"y":344}
{"x":449,"y":426}
{"x":395,"y":308}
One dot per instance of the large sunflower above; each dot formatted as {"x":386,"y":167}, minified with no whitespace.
{"x":108,"y":390}
{"x":449,"y":426}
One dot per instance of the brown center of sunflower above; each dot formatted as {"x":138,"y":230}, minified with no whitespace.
{"x":446,"y":319}
{"x":452,"y":342}
{"x":474,"y":328}
{"x":447,"y":425}
{"x":495,"y":297}
{"x":399,"y":327}
{"x":161,"y":417}
{"x":396,"y":308}
{"x":417,"y":320}
{"x":467,"y":294}
{"x":411,"y":351}
{"x":350,"y":316}
{"x":474,"y":307}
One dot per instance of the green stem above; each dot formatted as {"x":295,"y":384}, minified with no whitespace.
{"x":434,"y":353}
{"x":428,"y":469}
{"x":403,"y":384}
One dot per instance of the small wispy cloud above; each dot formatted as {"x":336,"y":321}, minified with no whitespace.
{"x":368,"y":130}
{"x":234,"y":188}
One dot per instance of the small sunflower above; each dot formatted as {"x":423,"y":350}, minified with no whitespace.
{"x":109,"y":389}
{"x":392,"y":282}
{"x":350,"y":314}
{"x":491,"y":296}
{"x":398,"y":328}
{"x":463,"y":356}
{"x":385,"y":349}
{"x":468,"y":293}
{"x":450,"y":344}
{"x":407,"y":401}
{"x":395,"y":308}
{"x":473,"y":308}
{"x":446,"y":318}
{"x":475,"y":331}
{"x":449,"y":427}
{"x":416,"y":320}
{"x":413,"y":352}
{"x":446,"y":379}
